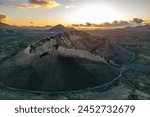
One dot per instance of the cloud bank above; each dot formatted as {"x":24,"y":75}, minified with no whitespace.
{"x":38,"y":3}
{"x":121,"y":23}
{"x":3,"y":18}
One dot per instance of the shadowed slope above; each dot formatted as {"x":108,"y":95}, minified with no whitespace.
{"x":56,"y":74}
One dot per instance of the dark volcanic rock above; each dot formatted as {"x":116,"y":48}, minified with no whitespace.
{"x":56,"y":74}
{"x":69,"y":61}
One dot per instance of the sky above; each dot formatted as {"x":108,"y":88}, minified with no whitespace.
{"x":67,"y":12}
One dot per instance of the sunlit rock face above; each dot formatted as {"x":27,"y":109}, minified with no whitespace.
{"x":70,"y":61}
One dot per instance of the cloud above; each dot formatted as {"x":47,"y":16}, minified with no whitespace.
{"x":73,"y":0}
{"x":70,"y":6}
{"x":38,"y":3}
{"x":106,"y":24}
{"x":137,"y":20}
{"x":3,"y":18}
{"x":121,"y":23}
{"x":31,"y":22}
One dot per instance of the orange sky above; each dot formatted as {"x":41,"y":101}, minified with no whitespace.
{"x":67,"y":12}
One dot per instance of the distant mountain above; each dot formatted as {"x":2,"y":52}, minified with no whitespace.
{"x":145,"y":27}
{"x":59,"y":29}
{"x":4,"y":26}
{"x":6,"y":29}
{"x":140,"y":28}
{"x":7,"y":26}
{"x":56,"y":29}
{"x":37,"y":28}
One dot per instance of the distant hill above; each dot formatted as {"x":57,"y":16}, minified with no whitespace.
{"x":145,"y":27}
{"x":4,"y":26}
{"x":140,"y":28}
{"x":7,"y":26}
{"x":59,"y":29}
{"x":56,"y":29}
{"x":37,"y":28}
{"x":6,"y":29}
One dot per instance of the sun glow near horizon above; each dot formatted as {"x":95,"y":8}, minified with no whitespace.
{"x":94,"y":13}
{"x":71,"y":12}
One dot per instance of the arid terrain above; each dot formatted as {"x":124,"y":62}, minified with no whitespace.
{"x":133,"y":84}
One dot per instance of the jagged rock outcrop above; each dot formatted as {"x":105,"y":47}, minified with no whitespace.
{"x":80,"y":40}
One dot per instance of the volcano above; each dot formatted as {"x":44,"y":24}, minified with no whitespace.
{"x":69,"y":61}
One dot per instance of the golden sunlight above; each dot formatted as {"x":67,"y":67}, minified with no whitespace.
{"x":94,"y":13}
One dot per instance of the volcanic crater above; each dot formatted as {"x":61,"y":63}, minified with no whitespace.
{"x":69,"y":61}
